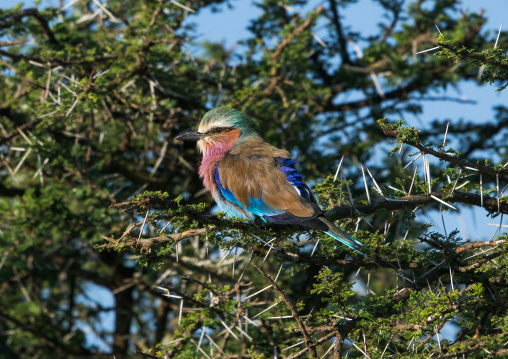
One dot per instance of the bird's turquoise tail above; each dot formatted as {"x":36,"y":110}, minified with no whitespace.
{"x":348,"y":241}
{"x":352,"y":243}
{"x":342,"y":237}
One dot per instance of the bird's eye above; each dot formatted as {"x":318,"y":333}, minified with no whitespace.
{"x":219,"y":130}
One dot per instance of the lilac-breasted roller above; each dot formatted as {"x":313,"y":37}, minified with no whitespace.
{"x":250,"y":178}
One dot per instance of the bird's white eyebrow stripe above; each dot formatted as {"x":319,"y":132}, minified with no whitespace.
{"x":204,"y":128}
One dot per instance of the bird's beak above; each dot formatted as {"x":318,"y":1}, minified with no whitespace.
{"x":191,"y":135}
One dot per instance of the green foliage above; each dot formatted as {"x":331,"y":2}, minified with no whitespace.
{"x":332,"y":287}
{"x":494,"y":62}
{"x":106,"y":231}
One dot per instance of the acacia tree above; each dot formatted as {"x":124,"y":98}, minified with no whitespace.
{"x":95,"y":195}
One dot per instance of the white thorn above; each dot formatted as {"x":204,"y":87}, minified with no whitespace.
{"x":229,"y":330}
{"x":142,"y":227}
{"x":318,"y":39}
{"x":458,"y":177}
{"x":443,"y":202}
{"x":329,"y":349}
{"x":497,"y":193}
{"x":481,"y":190}
{"x":438,"y":29}
{"x":462,"y":185}
{"x":294,"y":345}
{"x":413,"y":180}
{"x":267,"y":309}
{"x":338,"y":168}
{"x":223,"y":258}
{"x":498,"y":225}
{"x":451,"y":278}
{"x":182,"y":6}
{"x":278,"y":273}
{"x":365,"y":183}
{"x":315,"y":246}
{"x":499,"y":33}
{"x":421,"y":52}
{"x":446,"y":133}
{"x":377,"y":85}
{"x":252,"y":295}
{"x":414,"y":159}
{"x":180,"y":314}
{"x":375,"y":183}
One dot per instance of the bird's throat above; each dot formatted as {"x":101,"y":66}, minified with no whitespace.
{"x":212,"y":153}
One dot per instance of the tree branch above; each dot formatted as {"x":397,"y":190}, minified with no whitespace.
{"x":340,"y":34}
{"x":465,"y":54}
{"x":277,"y":53}
{"x":294,"y":313}
{"x":413,"y":201}
{"x":390,"y":130}
{"x":405,"y":203}
{"x":146,"y":243}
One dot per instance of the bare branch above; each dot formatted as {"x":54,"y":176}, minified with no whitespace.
{"x":294,"y":313}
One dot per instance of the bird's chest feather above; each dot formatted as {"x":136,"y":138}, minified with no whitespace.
{"x":207,"y":169}
{"x":213,"y":152}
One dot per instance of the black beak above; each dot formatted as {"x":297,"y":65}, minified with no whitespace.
{"x":191,"y":135}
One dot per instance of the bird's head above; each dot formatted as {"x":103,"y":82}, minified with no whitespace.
{"x":221,"y":128}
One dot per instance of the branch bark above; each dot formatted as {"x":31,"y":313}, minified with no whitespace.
{"x":390,"y":130}
{"x":37,"y":15}
{"x":464,"y":53}
{"x":340,"y":33}
{"x":294,"y":313}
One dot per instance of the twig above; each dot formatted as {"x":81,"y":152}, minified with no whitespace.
{"x":296,"y":316}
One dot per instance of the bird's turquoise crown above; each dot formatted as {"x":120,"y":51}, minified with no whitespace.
{"x":228,"y":117}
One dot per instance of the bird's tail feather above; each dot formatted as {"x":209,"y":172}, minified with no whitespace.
{"x":358,"y":246}
{"x":343,"y":237}
{"x":346,"y":241}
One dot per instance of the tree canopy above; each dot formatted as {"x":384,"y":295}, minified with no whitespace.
{"x":109,"y":244}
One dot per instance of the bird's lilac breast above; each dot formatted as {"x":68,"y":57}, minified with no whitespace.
{"x":211,"y":157}
{"x":213,"y":151}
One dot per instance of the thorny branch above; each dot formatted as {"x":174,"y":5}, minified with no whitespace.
{"x":464,"y":53}
{"x":294,"y":313}
{"x":432,"y":272}
{"x":6,"y":22}
{"x":337,"y":213}
{"x":390,"y":130}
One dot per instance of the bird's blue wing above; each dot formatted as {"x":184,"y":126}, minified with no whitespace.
{"x":234,"y":207}
{"x":273,"y":190}
{"x":268,"y":187}
{"x":287,"y":166}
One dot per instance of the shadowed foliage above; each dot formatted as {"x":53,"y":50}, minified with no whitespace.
{"x":109,"y":244}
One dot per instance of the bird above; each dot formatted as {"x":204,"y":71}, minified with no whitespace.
{"x":249,"y":178}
